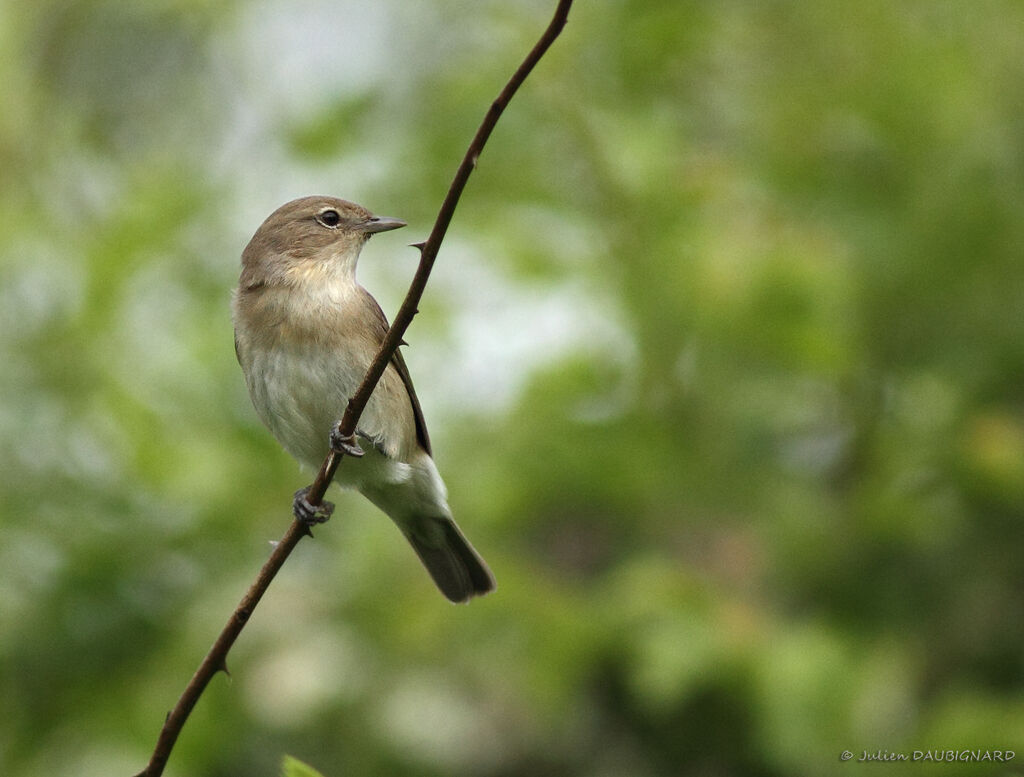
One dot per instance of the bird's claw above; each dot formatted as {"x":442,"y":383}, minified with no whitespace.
{"x":344,"y":443}
{"x":307,"y":513}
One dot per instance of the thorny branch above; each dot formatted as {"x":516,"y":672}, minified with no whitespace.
{"x":216,"y":658}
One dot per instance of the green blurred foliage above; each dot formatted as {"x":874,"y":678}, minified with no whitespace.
{"x":724,"y":361}
{"x":292,"y":767}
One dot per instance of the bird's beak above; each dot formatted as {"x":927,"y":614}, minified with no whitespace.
{"x":376,"y":224}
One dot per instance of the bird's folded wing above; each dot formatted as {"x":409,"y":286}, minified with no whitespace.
{"x":398,"y":362}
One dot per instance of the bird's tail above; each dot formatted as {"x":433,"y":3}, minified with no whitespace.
{"x":457,"y":569}
{"x":413,"y":495}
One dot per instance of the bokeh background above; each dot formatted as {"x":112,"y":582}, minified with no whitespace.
{"x":723,"y":360}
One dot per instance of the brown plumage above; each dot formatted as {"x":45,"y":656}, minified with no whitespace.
{"x":305,"y":333}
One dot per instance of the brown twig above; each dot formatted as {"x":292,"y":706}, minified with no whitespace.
{"x":216,"y":658}
{"x":429,"y":249}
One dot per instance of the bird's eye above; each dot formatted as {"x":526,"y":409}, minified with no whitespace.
{"x":329,"y":218}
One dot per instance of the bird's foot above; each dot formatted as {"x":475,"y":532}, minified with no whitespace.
{"x":344,"y":444}
{"x":307,"y":513}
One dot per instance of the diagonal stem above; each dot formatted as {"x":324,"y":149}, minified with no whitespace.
{"x":216,"y":658}
{"x":429,"y":249}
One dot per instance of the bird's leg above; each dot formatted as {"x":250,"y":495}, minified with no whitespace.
{"x":308,"y":513}
{"x":344,"y":444}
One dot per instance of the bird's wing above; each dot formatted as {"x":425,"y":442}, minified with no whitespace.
{"x":398,"y":362}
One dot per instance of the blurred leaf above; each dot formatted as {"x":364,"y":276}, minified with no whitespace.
{"x":292,"y":767}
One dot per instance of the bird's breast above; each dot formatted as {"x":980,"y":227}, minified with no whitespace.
{"x":302,"y":363}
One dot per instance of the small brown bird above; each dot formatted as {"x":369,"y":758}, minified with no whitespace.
{"x":305,"y":333}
